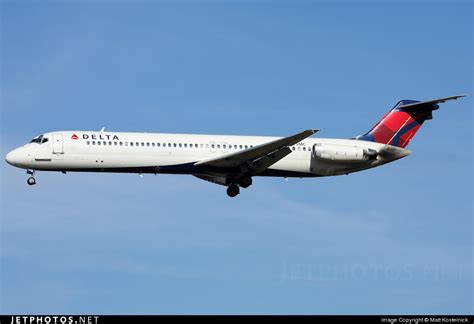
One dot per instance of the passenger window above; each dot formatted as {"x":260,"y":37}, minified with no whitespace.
{"x":157,"y":144}
{"x":304,"y":148}
{"x":98,"y":142}
{"x":93,"y":142}
{"x":174,"y":144}
{"x":88,"y":142}
{"x":246,"y":147}
{"x":131,"y":143}
{"x":115,"y":143}
{"x":240,"y":146}
{"x":148,"y":144}
{"x":110,"y":143}
{"x":180,"y":145}
{"x":293,"y":148}
{"x":185,"y":145}
{"x":143,"y":144}
{"x":121,"y":143}
{"x":224,"y":146}
{"x":212,"y":145}
{"x":104,"y":142}
{"x":235,"y":146}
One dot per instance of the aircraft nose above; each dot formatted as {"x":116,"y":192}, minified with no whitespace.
{"x":12,"y":157}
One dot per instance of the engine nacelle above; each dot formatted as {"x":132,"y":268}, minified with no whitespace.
{"x":342,"y":153}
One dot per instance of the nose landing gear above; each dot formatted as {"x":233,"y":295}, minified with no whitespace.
{"x":31,"y":180}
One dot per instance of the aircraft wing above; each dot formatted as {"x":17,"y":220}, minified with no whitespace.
{"x":258,"y":158}
{"x":430,"y":102}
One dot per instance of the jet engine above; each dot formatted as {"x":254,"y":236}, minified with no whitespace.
{"x":342,"y":153}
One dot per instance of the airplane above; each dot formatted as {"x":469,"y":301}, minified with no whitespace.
{"x":230,"y":161}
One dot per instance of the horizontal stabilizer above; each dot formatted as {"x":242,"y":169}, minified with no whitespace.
{"x":426,"y":104}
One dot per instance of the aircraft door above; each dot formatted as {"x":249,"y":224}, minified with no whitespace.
{"x":58,"y":144}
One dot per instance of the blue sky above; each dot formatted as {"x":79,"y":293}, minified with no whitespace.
{"x":396,"y":239}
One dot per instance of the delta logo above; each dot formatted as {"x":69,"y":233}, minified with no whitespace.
{"x":100,"y":136}
{"x":96,"y":136}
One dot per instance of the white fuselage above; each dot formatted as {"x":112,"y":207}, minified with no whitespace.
{"x":177,"y":153}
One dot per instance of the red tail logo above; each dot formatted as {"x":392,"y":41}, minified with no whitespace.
{"x":400,"y":124}
{"x":74,"y":137}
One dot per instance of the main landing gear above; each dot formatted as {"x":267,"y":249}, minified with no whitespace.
{"x":234,"y":189}
{"x":245,"y":181}
{"x":31,"y":180}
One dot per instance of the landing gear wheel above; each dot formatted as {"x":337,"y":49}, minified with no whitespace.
{"x":233,"y":190}
{"x":245,"y":181}
{"x":31,"y":181}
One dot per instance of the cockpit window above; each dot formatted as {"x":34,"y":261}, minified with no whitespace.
{"x":37,"y":139}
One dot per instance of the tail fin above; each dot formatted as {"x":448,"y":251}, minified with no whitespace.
{"x":402,"y":122}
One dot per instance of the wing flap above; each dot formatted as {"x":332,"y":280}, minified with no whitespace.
{"x":217,"y":180}
{"x":266,"y":161}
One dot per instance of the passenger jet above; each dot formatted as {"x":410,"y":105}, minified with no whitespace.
{"x":230,"y":161}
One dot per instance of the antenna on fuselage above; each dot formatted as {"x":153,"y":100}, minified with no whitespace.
{"x":102,"y":129}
